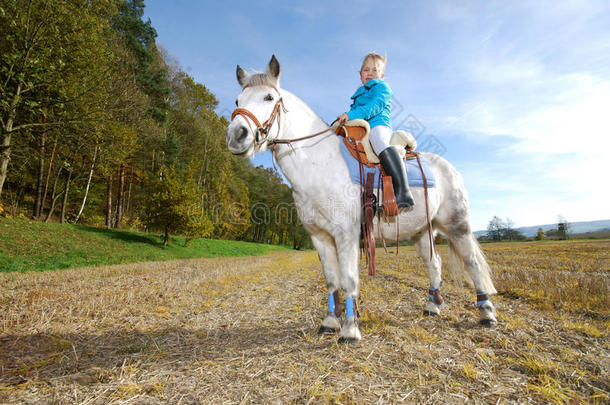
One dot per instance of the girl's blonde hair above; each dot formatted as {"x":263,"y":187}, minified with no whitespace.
{"x":378,"y":59}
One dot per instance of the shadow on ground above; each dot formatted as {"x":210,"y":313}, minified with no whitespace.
{"x":46,"y":356}
{"x":152,"y":239}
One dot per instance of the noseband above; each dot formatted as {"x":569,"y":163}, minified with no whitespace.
{"x":262,"y":131}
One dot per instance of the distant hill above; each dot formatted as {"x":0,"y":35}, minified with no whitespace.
{"x":575,"y":227}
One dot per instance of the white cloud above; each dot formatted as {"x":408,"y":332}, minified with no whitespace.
{"x":489,"y":71}
{"x":575,"y":121}
{"x":559,"y":154}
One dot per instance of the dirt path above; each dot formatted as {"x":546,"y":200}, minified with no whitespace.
{"x":245,"y":331}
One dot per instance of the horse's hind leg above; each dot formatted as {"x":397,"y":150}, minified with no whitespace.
{"x":432,"y":262}
{"x":325,"y":245}
{"x":464,"y":245}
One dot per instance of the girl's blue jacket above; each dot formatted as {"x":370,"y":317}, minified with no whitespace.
{"x":371,"y":102}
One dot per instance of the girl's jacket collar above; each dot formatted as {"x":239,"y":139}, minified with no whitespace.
{"x":365,"y":87}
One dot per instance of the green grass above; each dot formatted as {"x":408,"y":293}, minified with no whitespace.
{"x":35,"y":246}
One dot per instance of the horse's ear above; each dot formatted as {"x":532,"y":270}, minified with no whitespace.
{"x":242,"y":76}
{"x":273,"y":70}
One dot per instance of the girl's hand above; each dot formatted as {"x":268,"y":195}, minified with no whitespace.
{"x":343,"y":118}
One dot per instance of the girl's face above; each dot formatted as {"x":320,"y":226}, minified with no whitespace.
{"x":370,"y":70}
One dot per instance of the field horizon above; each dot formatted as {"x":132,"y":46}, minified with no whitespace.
{"x":577,"y":228}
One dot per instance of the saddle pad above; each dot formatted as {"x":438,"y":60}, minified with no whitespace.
{"x":413,"y":172}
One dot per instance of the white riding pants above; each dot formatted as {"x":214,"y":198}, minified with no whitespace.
{"x":380,"y":138}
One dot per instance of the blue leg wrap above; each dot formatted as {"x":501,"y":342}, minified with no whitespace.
{"x":481,"y":303}
{"x":331,"y":303}
{"x":430,"y":296}
{"x":482,"y":298}
{"x":349,"y":307}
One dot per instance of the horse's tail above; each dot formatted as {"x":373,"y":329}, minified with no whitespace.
{"x":458,"y":272}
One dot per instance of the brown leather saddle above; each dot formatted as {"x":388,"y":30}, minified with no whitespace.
{"x":355,"y":135}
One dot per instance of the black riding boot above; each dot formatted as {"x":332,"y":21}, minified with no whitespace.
{"x":394,"y":166}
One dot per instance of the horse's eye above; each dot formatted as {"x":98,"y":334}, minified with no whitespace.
{"x":268,"y":97}
{"x":236,"y":103}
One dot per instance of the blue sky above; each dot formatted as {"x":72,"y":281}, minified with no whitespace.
{"x":515,"y":94}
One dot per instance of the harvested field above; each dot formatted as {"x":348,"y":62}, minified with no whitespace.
{"x":244,"y":330}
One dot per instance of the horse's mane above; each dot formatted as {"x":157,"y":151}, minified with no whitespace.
{"x":260,"y":79}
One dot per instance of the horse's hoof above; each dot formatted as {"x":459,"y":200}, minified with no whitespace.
{"x":488,"y":322}
{"x":431,"y":309}
{"x":325,"y":330}
{"x":488,"y":315}
{"x":348,"y":340}
{"x":349,"y":331}
{"x":330,"y":325}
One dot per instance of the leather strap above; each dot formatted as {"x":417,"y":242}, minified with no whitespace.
{"x":482,"y":297}
{"x":289,"y":141}
{"x":369,"y":235}
{"x":390,"y":208}
{"x":338,"y":308}
{"x":423,"y":175}
{"x":435,"y":296}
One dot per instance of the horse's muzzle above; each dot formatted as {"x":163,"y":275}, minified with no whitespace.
{"x":239,"y":141}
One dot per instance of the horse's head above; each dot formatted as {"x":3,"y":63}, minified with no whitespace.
{"x":257,"y":116}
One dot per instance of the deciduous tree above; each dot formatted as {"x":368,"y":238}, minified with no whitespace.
{"x":49,"y":57}
{"x":173,"y":205}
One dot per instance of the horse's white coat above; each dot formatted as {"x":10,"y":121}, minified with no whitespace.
{"x":329,"y":203}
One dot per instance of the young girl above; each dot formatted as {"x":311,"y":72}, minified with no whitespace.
{"x":371,"y":102}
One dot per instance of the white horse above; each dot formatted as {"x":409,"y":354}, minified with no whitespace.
{"x":329,"y":203}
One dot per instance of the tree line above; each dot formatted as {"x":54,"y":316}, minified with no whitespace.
{"x":503,"y":230}
{"x":100,"y":126}
{"x":499,"y":230}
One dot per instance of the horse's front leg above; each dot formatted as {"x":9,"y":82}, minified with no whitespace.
{"x":347,"y":247}
{"x":327,"y":251}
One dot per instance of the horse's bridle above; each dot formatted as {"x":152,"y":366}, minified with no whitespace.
{"x":262,"y":131}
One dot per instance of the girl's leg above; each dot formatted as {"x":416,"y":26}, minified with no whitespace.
{"x":392,"y":164}
{"x":380,"y":138}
